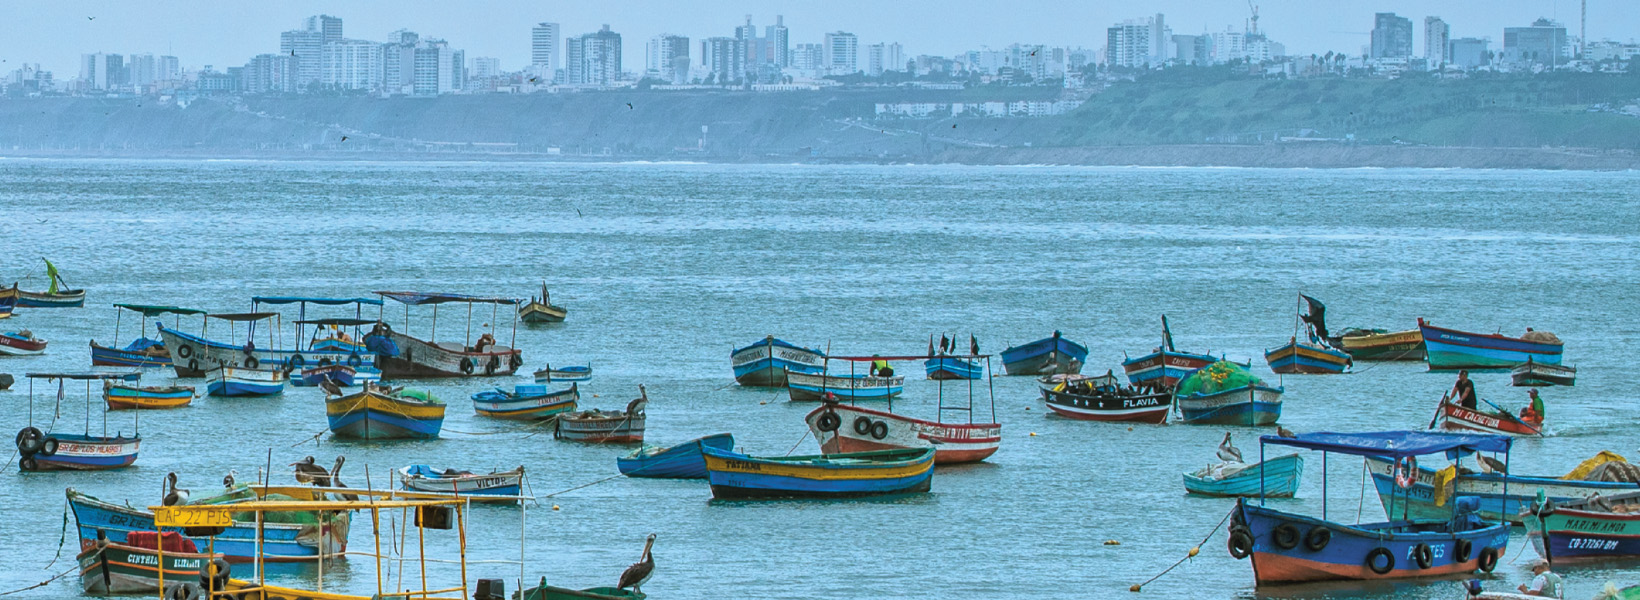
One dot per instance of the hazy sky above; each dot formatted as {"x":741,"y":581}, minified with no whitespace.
{"x":227,"y":33}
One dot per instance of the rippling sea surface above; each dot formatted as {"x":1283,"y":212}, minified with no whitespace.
{"x":666,"y":268}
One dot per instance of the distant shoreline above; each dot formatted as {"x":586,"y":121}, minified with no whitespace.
{"x":1308,"y":155}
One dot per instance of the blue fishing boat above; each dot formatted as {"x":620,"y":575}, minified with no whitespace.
{"x":497,"y":486}
{"x":1317,"y":353}
{"x":550,"y":374}
{"x":806,"y":387}
{"x":526,"y":402}
{"x":58,"y":296}
{"x":886,"y":472}
{"x":141,"y":352}
{"x":55,"y":450}
{"x":1225,"y":393}
{"x":341,"y":375}
{"x":1504,"y":496}
{"x":950,"y":367}
{"x":8,"y":301}
{"x":295,"y":537}
{"x":241,"y":381}
{"x":1292,"y":548}
{"x":1274,"y":478}
{"x":192,"y":355}
{"x":766,"y":362}
{"x":1163,"y":368}
{"x":379,"y":413}
{"x":1048,"y":356}
{"x":683,"y":461}
{"x":1453,"y":349}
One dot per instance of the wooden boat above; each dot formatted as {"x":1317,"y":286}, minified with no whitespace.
{"x":526,"y":402}
{"x":766,"y":362}
{"x":847,"y":429}
{"x":193,"y":355}
{"x":382,"y":413}
{"x":293,"y":537}
{"x":1292,"y":548}
{"x":1458,"y":418}
{"x":58,"y":296}
{"x":1380,"y":344}
{"x":1102,"y":398}
{"x":121,"y":396}
{"x":61,"y":451}
{"x":1273,"y":478}
{"x":1225,"y":393}
{"x":21,"y":343}
{"x":734,"y":475}
{"x":504,"y":486}
{"x":547,"y":592}
{"x":1594,"y":528}
{"x":949,"y":368}
{"x":548,"y":374}
{"x":141,"y":352}
{"x":1047,"y":356}
{"x":596,"y":426}
{"x":1534,"y":374}
{"x":806,"y":387}
{"x":541,"y":310}
{"x":1453,"y":349}
{"x":1307,"y":357}
{"x":341,"y":375}
{"x":683,"y":461}
{"x":1503,"y":497}
{"x":1163,"y":368}
{"x":401,"y":355}
{"x":109,"y":569}
{"x":243,"y":381}
{"x":8,"y":301}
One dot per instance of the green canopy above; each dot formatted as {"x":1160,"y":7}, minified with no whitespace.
{"x":150,"y":310}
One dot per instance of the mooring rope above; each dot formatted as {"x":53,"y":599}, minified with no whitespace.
{"x":1192,"y":554}
{"x":43,"y":583}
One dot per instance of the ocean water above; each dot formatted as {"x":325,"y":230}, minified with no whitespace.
{"x":666,"y":268}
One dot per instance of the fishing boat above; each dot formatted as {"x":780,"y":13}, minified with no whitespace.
{"x":61,"y":451}
{"x":1593,"y":528}
{"x":402,"y":355}
{"x":1453,"y":349}
{"x":807,"y":387}
{"x":683,"y":461}
{"x":1382,"y":344}
{"x":888,"y":472}
{"x":548,"y":374}
{"x":1103,"y":398}
{"x":1536,"y":374}
{"x":599,"y":427}
{"x":1163,"y":368}
{"x":110,"y":569}
{"x":1457,"y":418}
{"x":141,"y":352}
{"x":847,"y":429}
{"x":496,"y":486}
{"x":526,"y":402}
{"x":1504,"y":497}
{"x":192,"y":355}
{"x":1047,"y":356}
{"x":295,"y":537}
{"x":242,"y":381}
{"x":383,"y":413}
{"x":1315,"y":355}
{"x":1274,"y":478}
{"x":1292,"y":548}
{"x":548,"y":592}
{"x":122,"y":396}
{"x":340,"y":375}
{"x":948,"y":368}
{"x":8,"y":301}
{"x":541,"y":310}
{"x":766,"y":362}
{"x":1225,"y":393}
{"x":21,"y":343}
{"x":58,"y":296}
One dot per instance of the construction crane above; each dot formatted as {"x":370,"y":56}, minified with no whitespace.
{"x":1254,"y":28}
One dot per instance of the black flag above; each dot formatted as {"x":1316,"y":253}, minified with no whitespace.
{"x":945,"y":344}
{"x":1317,"y":317}
{"x":973,"y":345}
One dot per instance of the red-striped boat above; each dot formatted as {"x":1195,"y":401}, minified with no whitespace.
{"x":21,"y":343}
{"x":1458,"y":418}
{"x":843,"y":428}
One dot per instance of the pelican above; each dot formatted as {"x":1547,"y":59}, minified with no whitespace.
{"x":177,"y":496}
{"x":1228,"y":451}
{"x":640,"y":572}
{"x":307,"y":472}
{"x":227,"y":482}
{"x":336,"y":481}
{"x":330,"y":387}
{"x":1285,"y":432}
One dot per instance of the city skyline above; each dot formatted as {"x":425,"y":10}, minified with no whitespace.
{"x":56,"y":36}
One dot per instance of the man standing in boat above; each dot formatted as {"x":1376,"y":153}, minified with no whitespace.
{"x":1463,"y":392}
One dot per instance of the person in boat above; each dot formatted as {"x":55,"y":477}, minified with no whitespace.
{"x":880,"y":368}
{"x":484,"y":341}
{"x":1532,"y":414}
{"x":1545,"y":583}
{"x":1463,"y":392}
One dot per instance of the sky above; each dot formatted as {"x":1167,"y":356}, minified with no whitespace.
{"x":225,"y":33}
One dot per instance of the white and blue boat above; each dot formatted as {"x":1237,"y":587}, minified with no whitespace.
{"x":498,"y":486}
{"x":280,"y":541}
{"x":193,"y":355}
{"x":683,"y":461}
{"x":1225,"y":393}
{"x":241,"y":381}
{"x":1416,"y":499}
{"x":1051,"y":355}
{"x":1452,"y":349}
{"x":570,"y":374}
{"x":887,"y":472}
{"x":766,"y":362}
{"x":810,"y":387}
{"x":951,"y":367}
{"x":1274,"y":478}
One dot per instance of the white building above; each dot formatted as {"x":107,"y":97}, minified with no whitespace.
{"x":352,"y":65}
{"x":808,"y":57}
{"x":1436,"y":36}
{"x":437,"y":69}
{"x":666,"y":56}
{"x":842,"y":53}
{"x":593,"y":58}
{"x":1139,"y":42}
{"x":544,"y":59}
{"x":484,"y":68}
{"x":886,"y":56}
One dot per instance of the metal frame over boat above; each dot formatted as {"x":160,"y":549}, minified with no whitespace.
{"x":141,"y":352}
{"x":890,"y":472}
{"x":541,"y":310}
{"x":682,"y":461}
{"x":1068,"y":396}
{"x":1163,"y":368}
{"x":844,"y":428}
{"x":766,"y":362}
{"x":56,"y":451}
{"x":1048,"y":356}
{"x":1453,"y":349}
{"x":402,"y":355}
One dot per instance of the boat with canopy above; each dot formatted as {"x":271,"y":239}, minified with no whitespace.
{"x":400,"y":354}
{"x":846,"y":428}
{"x":192,"y":355}
{"x":57,"y":451}
{"x":141,"y":352}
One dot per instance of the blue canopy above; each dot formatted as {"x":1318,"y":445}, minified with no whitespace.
{"x":419,"y":298}
{"x":1393,"y":444}
{"x":324,"y":301}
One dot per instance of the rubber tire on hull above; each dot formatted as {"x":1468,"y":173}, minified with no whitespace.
{"x":49,"y":447}
{"x":862,"y":425}
{"x":1389,"y":560}
{"x":1423,"y":556}
{"x":30,"y":439}
{"x":1285,"y":536}
{"x":828,"y":421}
{"x":1317,"y":539}
{"x":1461,"y":550}
{"x":1240,"y":544}
{"x":1488,"y":559}
{"x":879,"y":430}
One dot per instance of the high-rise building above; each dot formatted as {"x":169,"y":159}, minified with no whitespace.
{"x":667,"y":57}
{"x":724,"y":58}
{"x":1391,"y":36}
{"x":399,"y":62}
{"x":886,"y":56}
{"x":808,"y":57}
{"x":1193,"y":49}
{"x":484,"y":68}
{"x":308,"y":48}
{"x":270,"y":74}
{"x":1467,"y":53}
{"x":777,"y":42}
{"x":329,"y":28}
{"x":438,"y":69}
{"x":1543,"y":43}
{"x":168,"y":68}
{"x":1436,"y":35}
{"x":142,"y":70}
{"x":103,"y":71}
{"x":593,"y":58}
{"x":842,"y":53}
{"x":544,"y":48}
{"x":1139,"y":42}
{"x":353,"y":64}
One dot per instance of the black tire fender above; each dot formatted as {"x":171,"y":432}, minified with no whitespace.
{"x":296,"y":361}
{"x":1372,"y":560}
{"x":1285,"y":536}
{"x":214,"y":575}
{"x":193,"y":364}
{"x":879,"y":430}
{"x":1318,"y":538}
{"x":1240,"y":544}
{"x":466,"y":365}
{"x":493,"y":364}
{"x":354,"y":361}
{"x":185,"y":351}
{"x":29,"y":440}
{"x":28,"y":464}
{"x":1423,"y":556}
{"x":515,"y":362}
{"x":49,"y":446}
{"x":828,"y":421}
{"x":862,"y":425}
{"x":1461,"y":550}
{"x":251,"y":362}
{"x":1488,"y":559}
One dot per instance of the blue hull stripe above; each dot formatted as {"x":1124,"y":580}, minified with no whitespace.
{"x":376,"y":425}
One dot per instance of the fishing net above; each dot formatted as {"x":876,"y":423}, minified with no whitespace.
{"x":1217,"y":377}
{"x":1584,"y":470}
{"x":1541,"y":337}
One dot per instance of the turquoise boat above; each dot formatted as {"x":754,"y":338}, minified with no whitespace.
{"x":1448,"y":349}
{"x":1281,"y":476}
{"x":683,"y":461}
{"x":888,"y":472}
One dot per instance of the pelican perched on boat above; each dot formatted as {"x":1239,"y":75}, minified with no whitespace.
{"x":1228,"y":451}
{"x":175,"y":496}
{"x":336,"y":480}
{"x":330,"y":388}
{"x":1285,"y":432}
{"x":636,"y":575}
{"x":227,"y":480}
{"x":307,"y":472}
